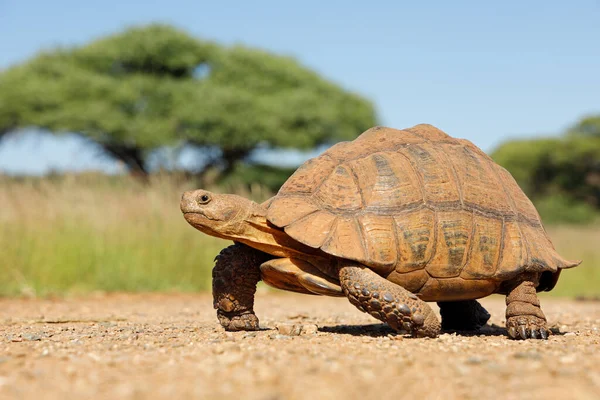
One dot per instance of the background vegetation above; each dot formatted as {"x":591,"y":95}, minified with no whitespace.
{"x":75,"y":234}
{"x":560,"y":174}
{"x":156,"y":87}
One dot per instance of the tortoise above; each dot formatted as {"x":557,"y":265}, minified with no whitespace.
{"x":391,"y":220}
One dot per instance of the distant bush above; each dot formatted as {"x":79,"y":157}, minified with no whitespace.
{"x":561,"y":175}
{"x":562,"y":209}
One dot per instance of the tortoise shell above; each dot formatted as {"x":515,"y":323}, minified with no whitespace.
{"x":419,"y":207}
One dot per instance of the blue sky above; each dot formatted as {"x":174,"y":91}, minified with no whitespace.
{"x":485,"y":71}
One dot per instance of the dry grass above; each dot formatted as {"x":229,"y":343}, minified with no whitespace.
{"x":81,"y":234}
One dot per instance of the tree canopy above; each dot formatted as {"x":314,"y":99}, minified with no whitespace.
{"x":155,"y":86}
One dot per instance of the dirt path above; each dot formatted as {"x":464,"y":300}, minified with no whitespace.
{"x":171,"y":347}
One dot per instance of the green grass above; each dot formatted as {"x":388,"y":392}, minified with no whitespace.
{"x":578,"y":243}
{"x":76,"y":235}
{"x":72,"y":237}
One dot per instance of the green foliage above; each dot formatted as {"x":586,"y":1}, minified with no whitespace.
{"x":559,"y":209}
{"x":561,"y":175}
{"x":588,"y":126}
{"x":271,"y":178}
{"x":157,"y":86}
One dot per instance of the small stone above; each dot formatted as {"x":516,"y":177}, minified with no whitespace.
{"x":309,"y":329}
{"x":568,"y":359}
{"x":31,"y":337}
{"x":475,"y":360}
{"x":289,"y":329}
{"x":278,"y":337}
{"x":531,"y":355}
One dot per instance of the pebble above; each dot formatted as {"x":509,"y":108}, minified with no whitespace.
{"x":289,"y":329}
{"x":297,"y":329}
{"x":531,"y":355}
{"x":475,"y":360}
{"x":568,"y":359}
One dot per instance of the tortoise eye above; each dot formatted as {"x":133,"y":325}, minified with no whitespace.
{"x":204,"y":199}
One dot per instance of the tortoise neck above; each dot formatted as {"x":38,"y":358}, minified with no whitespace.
{"x":260,"y":234}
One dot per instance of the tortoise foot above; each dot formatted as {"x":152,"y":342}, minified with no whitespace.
{"x":527,"y":327}
{"x":235,"y":275}
{"x":466,"y":315}
{"x":238,"y":322}
{"x":388,"y":302}
{"x":524,"y":317}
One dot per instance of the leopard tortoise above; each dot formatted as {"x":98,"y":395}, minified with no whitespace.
{"x":390,"y":220}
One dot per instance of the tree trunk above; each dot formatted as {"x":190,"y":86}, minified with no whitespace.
{"x":131,"y":156}
{"x":230,"y":157}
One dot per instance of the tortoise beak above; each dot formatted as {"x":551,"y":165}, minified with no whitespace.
{"x":188,"y":203}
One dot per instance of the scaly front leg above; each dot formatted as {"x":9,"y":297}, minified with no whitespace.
{"x":235,"y":276}
{"x":386,"y":301}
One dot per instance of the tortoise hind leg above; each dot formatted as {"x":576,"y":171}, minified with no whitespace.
{"x":467,"y":315}
{"x":387,"y":302}
{"x":524,"y":317}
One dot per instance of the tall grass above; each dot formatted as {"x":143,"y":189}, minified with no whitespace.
{"x":78,"y":234}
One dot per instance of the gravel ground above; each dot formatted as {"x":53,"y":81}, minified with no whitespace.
{"x":171,"y":346}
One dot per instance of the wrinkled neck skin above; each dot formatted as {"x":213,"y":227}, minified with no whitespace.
{"x":260,"y":234}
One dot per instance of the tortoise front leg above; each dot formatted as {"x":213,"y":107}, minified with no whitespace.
{"x":524,"y":317}
{"x":467,"y":315}
{"x":387,"y":302}
{"x":235,"y":276}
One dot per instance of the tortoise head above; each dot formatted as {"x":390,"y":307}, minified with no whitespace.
{"x":220,"y":215}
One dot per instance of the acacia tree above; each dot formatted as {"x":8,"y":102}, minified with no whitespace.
{"x":156,"y":86}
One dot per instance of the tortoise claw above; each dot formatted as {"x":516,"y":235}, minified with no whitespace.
{"x":523,"y":332}
{"x":529,"y":327}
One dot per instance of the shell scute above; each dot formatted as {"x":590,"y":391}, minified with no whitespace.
{"x":453,"y":241}
{"x":340,"y":190}
{"x":309,"y":176}
{"x":480,"y":186}
{"x":439,"y":184}
{"x":387,"y":181}
{"x":345,"y":240}
{"x":416,"y":239}
{"x":379,"y":237}
{"x":283,"y":211}
{"x":486,"y":245}
{"x":314,"y":228}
